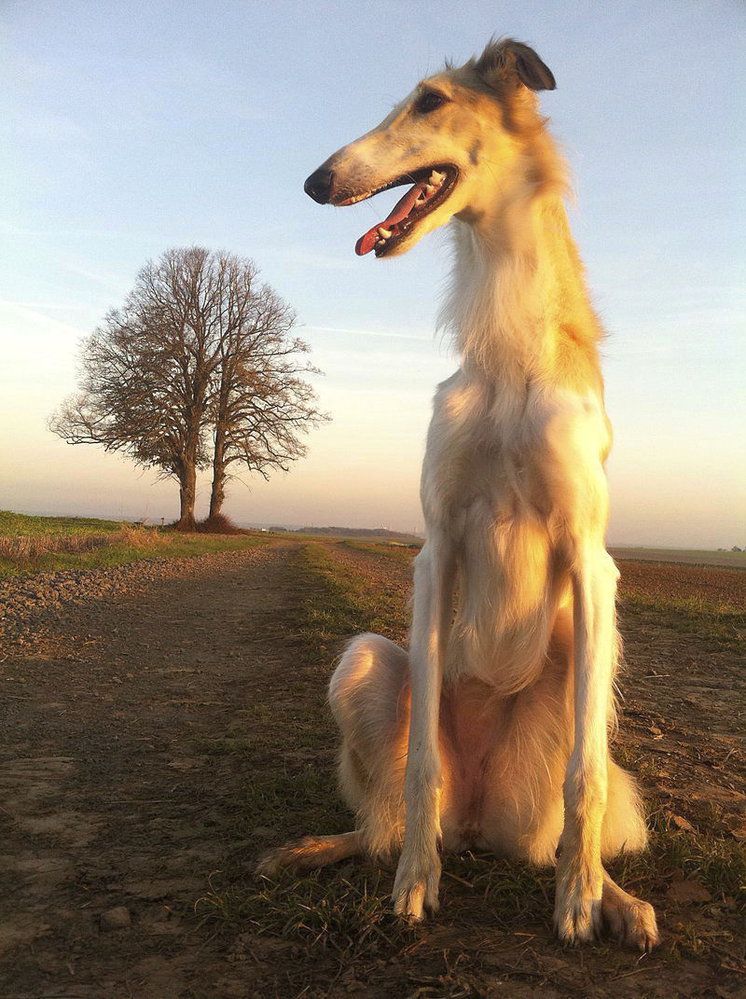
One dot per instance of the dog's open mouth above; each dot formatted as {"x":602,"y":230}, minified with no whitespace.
{"x":431,"y":187}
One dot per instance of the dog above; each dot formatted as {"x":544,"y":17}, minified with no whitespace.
{"x":492,"y":732}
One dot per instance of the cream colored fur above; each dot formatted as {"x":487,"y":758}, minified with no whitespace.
{"x":492,"y":731}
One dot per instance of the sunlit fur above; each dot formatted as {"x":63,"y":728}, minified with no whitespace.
{"x":492,"y":731}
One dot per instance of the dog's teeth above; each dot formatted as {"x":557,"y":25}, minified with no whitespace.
{"x":430,"y":190}
{"x":437,"y":178}
{"x":384,"y":232}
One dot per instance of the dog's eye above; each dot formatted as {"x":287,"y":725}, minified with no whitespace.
{"x":431,"y":100}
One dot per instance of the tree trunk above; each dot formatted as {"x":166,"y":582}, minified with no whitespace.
{"x":187,"y":497}
{"x":217,"y":494}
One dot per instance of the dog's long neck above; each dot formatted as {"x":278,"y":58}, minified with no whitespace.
{"x":518,"y":303}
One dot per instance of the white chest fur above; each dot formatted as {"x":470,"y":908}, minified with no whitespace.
{"x":504,"y":465}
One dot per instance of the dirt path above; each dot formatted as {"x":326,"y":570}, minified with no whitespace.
{"x":102,"y":806}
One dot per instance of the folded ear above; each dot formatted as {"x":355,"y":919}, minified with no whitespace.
{"x":505,"y":58}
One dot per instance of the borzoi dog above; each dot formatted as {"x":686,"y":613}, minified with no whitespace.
{"x":492,"y":731}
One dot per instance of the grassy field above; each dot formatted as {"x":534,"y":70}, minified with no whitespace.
{"x":14,"y":525}
{"x":42,"y":544}
{"x":683,"y":556}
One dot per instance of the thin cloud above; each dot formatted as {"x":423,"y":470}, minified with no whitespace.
{"x":100,"y":277}
{"x":28,"y":314}
{"x":50,"y":306}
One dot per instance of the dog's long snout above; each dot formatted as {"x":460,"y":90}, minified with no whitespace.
{"x":319,"y":185}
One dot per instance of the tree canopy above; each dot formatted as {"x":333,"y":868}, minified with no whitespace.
{"x":199,"y":366}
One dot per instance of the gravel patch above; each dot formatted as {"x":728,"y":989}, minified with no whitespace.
{"x":43,"y":600}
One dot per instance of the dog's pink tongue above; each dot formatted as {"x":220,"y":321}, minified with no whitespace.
{"x":399,"y":212}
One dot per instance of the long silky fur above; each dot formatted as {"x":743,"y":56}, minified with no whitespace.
{"x":492,"y":730}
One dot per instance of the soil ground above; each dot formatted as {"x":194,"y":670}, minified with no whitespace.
{"x":164,"y":722}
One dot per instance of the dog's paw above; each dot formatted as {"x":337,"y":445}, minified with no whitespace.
{"x":628,"y":919}
{"x":577,"y":919}
{"x":295,"y":855}
{"x":416,"y":888}
{"x":271,"y":862}
{"x":578,"y":904}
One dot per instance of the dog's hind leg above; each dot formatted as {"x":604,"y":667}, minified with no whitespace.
{"x":624,"y":829}
{"x":309,"y":852}
{"x":369,"y":698}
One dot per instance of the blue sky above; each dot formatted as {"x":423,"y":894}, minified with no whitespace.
{"x":128,"y":128}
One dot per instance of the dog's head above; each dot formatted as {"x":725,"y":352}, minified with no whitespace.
{"x":460,"y":139}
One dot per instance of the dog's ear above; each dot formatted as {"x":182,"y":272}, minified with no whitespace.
{"x":506,"y":58}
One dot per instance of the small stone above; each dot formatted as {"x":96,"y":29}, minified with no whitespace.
{"x":738,"y":829}
{"x":117,"y":918}
{"x":681,"y":823}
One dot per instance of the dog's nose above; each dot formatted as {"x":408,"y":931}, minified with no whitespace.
{"x":319,"y":185}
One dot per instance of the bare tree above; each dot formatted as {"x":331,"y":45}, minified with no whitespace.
{"x":198,"y":349}
{"x":261,"y":403}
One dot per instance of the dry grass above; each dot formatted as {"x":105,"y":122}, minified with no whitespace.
{"x":346,"y":916}
{"x":219,"y":524}
{"x":39,"y":544}
{"x":689,"y":588}
{"x":27,"y":547}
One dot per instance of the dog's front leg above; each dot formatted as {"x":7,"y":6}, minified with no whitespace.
{"x":580,"y":875}
{"x":418,"y":873}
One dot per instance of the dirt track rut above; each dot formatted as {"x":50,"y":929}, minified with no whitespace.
{"x":104,"y":803}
